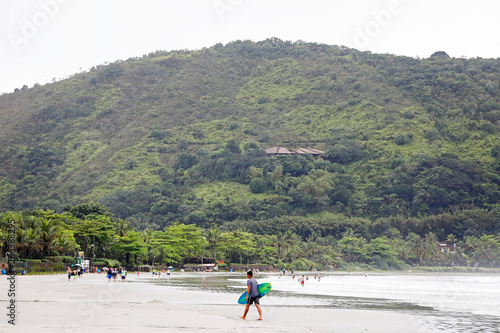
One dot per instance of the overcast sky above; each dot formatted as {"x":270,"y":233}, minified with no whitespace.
{"x":45,"y":39}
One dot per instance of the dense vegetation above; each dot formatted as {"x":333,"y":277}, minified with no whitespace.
{"x":412,"y":146}
{"x":49,"y":236}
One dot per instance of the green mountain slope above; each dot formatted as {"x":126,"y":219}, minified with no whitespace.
{"x":150,"y":136}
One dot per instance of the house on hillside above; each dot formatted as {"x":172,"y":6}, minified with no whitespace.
{"x":277,"y":151}
{"x":314,"y":152}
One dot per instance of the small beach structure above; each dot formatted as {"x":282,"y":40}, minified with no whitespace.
{"x":446,"y":247}
{"x":145,"y":268}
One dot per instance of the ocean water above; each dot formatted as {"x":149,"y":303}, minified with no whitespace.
{"x":450,"y":302}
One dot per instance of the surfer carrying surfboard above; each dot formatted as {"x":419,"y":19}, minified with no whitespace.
{"x":252,"y":296}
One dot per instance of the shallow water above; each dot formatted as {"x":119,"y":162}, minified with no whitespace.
{"x":452,"y":303}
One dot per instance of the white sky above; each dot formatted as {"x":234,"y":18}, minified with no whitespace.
{"x":45,"y":39}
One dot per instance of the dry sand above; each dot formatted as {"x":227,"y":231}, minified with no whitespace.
{"x":91,"y":304}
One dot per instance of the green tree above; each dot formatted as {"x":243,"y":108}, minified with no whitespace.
{"x":128,"y":245}
{"x":96,"y":230}
{"x":382,"y":248}
{"x":86,"y":209}
{"x":48,"y":232}
{"x":258,"y":185}
{"x":183,"y":241}
{"x":233,"y":147}
{"x":237,"y":246}
{"x":417,"y":246}
{"x":213,"y":238}
{"x":487,"y":250}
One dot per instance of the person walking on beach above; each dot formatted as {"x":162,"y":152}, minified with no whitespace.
{"x":114,"y":273}
{"x":124,"y":274}
{"x":253,"y":295}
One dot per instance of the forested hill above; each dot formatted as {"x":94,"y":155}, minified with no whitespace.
{"x":178,"y":137}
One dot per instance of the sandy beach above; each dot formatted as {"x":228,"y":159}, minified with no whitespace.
{"x":52,"y":304}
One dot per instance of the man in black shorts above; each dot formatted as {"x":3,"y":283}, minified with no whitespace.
{"x":253,"y":295}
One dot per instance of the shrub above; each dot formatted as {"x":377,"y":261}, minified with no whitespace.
{"x":408,"y":114}
{"x":258,"y":185}
{"x":403,"y":139}
{"x":345,"y":152}
{"x":158,"y":134}
{"x":262,"y":100}
{"x":130,"y":163}
{"x":234,"y":125}
{"x":431,"y":134}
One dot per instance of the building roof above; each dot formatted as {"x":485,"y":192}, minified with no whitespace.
{"x":311,"y":151}
{"x":277,"y":151}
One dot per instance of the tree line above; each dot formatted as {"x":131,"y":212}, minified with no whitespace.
{"x":293,"y":243}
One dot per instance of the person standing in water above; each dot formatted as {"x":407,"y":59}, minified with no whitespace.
{"x":253,"y":295}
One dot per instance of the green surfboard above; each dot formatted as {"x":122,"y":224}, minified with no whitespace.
{"x":264,"y":288}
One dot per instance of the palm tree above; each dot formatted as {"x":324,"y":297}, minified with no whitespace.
{"x":122,"y":228}
{"x":470,"y":245}
{"x":278,"y":240}
{"x":402,"y":248}
{"x":64,"y":245}
{"x":3,"y":240}
{"x":48,"y":232}
{"x":28,"y":222}
{"x":328,"y":240}
{"x":152,"y":244}
{"x":213,"y":238}
{"x":431,"y":250}
{"x":416,"y":243}
{"x":487,"y":249}
{"x":292,"y":245}
{"x":33,"y":241}
{"x":312,"y":243}
{"x":22,"y":241}
{"x":288,"y":238}
{"x":451,"y":239}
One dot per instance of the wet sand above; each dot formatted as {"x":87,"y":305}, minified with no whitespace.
{"x":52,"y":304}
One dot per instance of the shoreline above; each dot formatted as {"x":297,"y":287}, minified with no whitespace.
{"x":414,"y":270}
{"x":49,"y":303}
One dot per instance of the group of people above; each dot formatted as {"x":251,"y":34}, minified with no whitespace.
{"x":159,"y":273}
{"x":77,"y":271}
{"x":252,"y":297}
{"x":303,"y":279}
{"x":113,"y":273}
